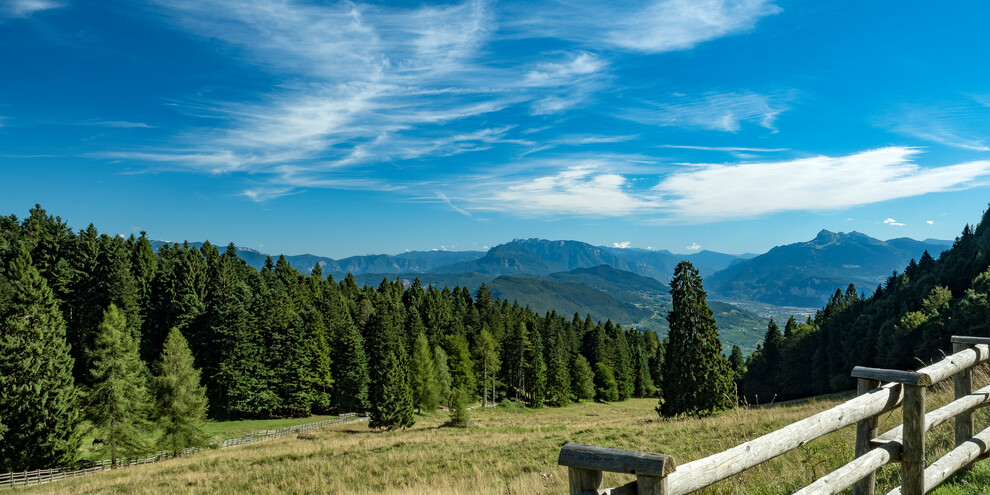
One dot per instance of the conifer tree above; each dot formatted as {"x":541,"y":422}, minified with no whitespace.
{"x":37,"y":393}
{"x":736,"y":363}
{"x":444,"y":381}
{"x":536,"y":376}
{"x":697,"y":380}
{"x":319,"y":349}
{"x":606,"y":388}
{"x":349,"y":362}
{"x":558,"y":372}
{"x":460,"y":362}
{"x":239,"y":386}
{"x":118,"y":403}
{"x":486,"y":356}
{"x":180,"y":401}
{"x":518,"y":348}
{"x":458,"y":407}
{"x":583,"y":379}
{"x":390,"y":393}
{"x":426,"y":394}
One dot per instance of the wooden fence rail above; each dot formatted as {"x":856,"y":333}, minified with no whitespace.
{"x":879,"y":391}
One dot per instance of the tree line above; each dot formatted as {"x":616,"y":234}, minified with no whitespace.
{"x":82,"y":308}
{"x":910,"y":316}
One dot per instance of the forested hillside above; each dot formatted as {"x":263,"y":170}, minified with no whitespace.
{"x":911,"y":315}
{"x":807,"y":273}
{"x":275,"y":342}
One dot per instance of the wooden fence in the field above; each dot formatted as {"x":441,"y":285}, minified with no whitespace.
{"x":880,"y":391}
{"x":40,"y":476}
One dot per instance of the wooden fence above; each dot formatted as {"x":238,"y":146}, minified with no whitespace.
{"x":879,"y":391}
{"x":40,"y":476}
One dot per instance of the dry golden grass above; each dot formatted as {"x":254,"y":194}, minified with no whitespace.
{"x":506,"y":451}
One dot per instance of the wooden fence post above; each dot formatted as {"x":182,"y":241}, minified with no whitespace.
{"x":913,"y":455}
{"x":866,"y":430}
{"x":583,"y":480}
{"x":962,"y":383}
{"x":585,"y":464}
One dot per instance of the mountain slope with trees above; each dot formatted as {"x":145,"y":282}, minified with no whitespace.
{"x":808,"y":273}
{"x":907,"y":318}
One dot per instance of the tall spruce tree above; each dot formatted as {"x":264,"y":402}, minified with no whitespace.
{"x":558,"y":372}
{"x":697,"y":379}
{"x":37,"y":393}
{"x":180,"y":401}
{"x":444,"y":380}
{"x":390,"y":392}
{"x":349,"y":362}
{"x":118,"y":404}
{"x":486,"y":357}
{"x":583,"y":379}
{"x":426,"y":393}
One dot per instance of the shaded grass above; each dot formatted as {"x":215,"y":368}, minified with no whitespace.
{"x":215,"y":431}
{"x":513,"y":451}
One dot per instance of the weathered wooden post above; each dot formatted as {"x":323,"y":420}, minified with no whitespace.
{"x":585,"y":464}
{"x":962,"y":384}
{"x":913,"y":455}
{"x":866,"y":430}
{"x":913,"y":452}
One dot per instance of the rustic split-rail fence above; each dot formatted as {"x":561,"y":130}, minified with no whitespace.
{"x":879,"y":391}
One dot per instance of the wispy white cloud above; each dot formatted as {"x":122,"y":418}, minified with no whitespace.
{"x":121,"y":124}
{"x":693,"y":247}
{"x":892,"y":222}
{"x":26,"y":8}
{"x":365,"y":85}
{"x":443,"y":197}
{"x":713,"y":111}
{"x":716,"y":192}
{"x":723,"y":148}
{"x":930,"y":222}
{"x":653,"y":26}
{"x":622,"y":245}
{"x":959,"y":126}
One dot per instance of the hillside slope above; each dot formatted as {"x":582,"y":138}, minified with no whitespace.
{"x":808,"y":273}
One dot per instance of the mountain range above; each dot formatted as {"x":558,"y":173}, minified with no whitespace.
{"x":628,"y":285}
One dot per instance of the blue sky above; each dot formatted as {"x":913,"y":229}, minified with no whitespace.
{"x":339,"y":128}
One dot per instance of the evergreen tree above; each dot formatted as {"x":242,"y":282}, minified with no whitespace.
{"x":558,"y":374}
{"x":180,"y":401}
{"x":37,"y":393}
{"x":458,"y":407}
{"x":697,"y":380}
{"x":319,"y":348}
{"x":460,"y":362}
{"x":486,"y":356}
{"x":518,"y":348}
{"x":737,"y":363}
{"x":426,"y":394}
{"x":390,"y":392}
{"x":584,"y":379}
{"x":118,"y":403}
{"x":606,"y":388}
{"x":237,"y":375}
{"x":536,"y":376}
{"x":349,"y":363}
{"x":444,"y":380}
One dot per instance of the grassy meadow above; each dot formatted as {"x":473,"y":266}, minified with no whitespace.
{"x":509,"y":450}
